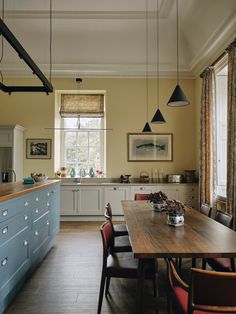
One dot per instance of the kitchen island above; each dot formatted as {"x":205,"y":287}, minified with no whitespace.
{"x":29,"y":222}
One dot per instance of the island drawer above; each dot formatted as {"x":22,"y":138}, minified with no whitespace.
{"x":13,"y":207}
{"x":14,"y":254}
{"x":41,"y":231}
{"x":14,"y":225}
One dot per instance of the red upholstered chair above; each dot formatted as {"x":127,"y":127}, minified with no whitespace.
{"x":222,"y":264}
{"x":119,"y":229}
{"x":141,"y":197}
{"x":120,"y":265}
{"x":206,"y":210}
{"x":209,"y":291}
{"x":121,"y":241}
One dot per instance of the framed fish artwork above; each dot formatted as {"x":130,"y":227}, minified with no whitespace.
{"x":150,"y":147}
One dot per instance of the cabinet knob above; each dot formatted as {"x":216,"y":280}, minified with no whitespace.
{"x":5,"y":230}
{"x":141,"y":189}
{"x":114,"y":189}
{"x":37,"y":199}
{"x":36,"y":211}
{"x":48,"y":204}
{"x":5,"y":212}
{"x":26,"y":204}
{"x":36,"y":233}
{"x":4,"y":261}
{"x":26,"y":218}
{"x":48,"y":193}
{"x":48,"y":223}
{"x":25,"y":243}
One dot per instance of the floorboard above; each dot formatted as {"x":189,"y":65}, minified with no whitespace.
{"x":68,"y":279}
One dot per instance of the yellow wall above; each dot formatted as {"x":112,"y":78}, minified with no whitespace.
{"x":126,"y":112}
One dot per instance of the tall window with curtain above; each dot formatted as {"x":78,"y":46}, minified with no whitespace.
{"x":218,"y":132}
{"x":82,"y":141}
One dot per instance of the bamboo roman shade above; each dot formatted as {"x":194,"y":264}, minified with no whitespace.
{"x":82,"y":105}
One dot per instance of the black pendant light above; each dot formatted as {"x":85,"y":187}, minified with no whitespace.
{"x":178,"y":97}
{"x":147,"y":127}
{"x":158,"y":117}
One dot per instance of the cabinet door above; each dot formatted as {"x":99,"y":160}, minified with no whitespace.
{"x":141,"y":189}
{"x":69,"y":200}
{"x":90,"y":200}
{"x":114,"y":195}
{"x":189,"y":195}
{"x":172,"y":192}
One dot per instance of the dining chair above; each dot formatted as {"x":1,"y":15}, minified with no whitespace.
{"x":121,"y":242}
{"x":121,"y":265}
{"x":208,"y":292}
{"x":221,"y":264}
{"x":119,"y":229}
{"x":141,"y":197}
{"x":206,"y":210}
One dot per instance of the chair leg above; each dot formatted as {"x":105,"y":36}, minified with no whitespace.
{"x":203,"y":263}
{"x":103,"y":279}
{"x":155,"y":285}
{"x":107,"y":286}
{"x":193,"y":262}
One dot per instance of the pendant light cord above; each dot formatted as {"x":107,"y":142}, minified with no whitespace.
{"x":50,"y":42}
{"x":177,"y":37}
{"x":1,"y":58}
{"x":147,"y":56}
{"x":158,"y":83}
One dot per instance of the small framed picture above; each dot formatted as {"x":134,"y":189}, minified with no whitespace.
{"x":150,"y":147}
{"x":37,"y":148}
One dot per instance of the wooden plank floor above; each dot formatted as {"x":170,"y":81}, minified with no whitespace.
{"x":68,"y":279}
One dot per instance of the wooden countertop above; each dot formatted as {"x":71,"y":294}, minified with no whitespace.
{"x":12,"y":190}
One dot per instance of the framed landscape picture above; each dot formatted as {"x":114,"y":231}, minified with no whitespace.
{"x":37,"y":148}
{"x":150,"y":147}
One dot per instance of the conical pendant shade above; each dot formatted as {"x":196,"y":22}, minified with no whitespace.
{"x":158,"y":117}
{"x":178,"y":98}
{"x":147,"y":128}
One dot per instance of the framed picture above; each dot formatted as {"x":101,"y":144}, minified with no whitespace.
{"x":150,"y":147}
{"x":38,"y":148}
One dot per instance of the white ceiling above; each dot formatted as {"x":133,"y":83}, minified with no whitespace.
{"x":108,"y":37}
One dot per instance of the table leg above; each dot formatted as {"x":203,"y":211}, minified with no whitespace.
{"x":140,"y":280}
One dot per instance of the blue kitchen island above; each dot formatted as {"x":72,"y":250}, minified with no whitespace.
{"x":29,"y":222}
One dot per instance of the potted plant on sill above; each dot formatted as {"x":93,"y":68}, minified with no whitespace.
{"x":175,"y":212}
{"x":159,"y":200}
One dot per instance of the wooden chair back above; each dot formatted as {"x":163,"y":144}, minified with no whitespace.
{"x":224,"y":218}
{"x":108,"y":211}
{"x":141,"y":197}
{"x":206,"y":210}
{"x":212,"y":291}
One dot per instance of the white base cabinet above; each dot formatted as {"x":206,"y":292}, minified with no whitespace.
{"x":90,"y":200}
{"x":83,"y":200}
{"x":114,"y":195}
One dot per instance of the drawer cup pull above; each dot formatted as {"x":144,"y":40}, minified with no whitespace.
{"x":5,"y":230}
{"x":4,"y":261}
{"x":5,"y":212}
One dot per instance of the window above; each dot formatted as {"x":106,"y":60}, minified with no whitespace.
{"x":221,"y":131}
{"x":82,"y":141}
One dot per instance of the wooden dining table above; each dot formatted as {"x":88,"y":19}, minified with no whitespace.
{"x":151,"y":237}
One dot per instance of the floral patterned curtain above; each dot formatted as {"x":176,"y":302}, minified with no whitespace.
{"x":231,"y":133}
{"x":207,"y":140}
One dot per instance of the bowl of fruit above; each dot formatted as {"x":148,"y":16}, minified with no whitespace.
{"x":39,"y":177}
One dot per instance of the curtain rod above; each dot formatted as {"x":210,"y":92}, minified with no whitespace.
{"x":219,"y":58}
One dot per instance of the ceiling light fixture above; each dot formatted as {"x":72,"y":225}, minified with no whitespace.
{"x":47,"y":86}
{"x":158,"y":117}
{"x":147,"y":127}
{"x":178,"y":97}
